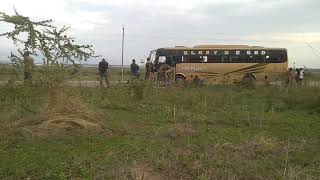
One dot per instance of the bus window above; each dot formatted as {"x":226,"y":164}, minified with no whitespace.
{"x":192,"y":59}
{"x":176,"y":59}
{"x":214,"y":59}
{"x":162,"y":59}
{"x":234,"y":59}
{"x":251,"y":60}
{"x":169,"y":60}
{"x":225,"y":59}
{"x":258,"y":59}
{"x":277,"y":56}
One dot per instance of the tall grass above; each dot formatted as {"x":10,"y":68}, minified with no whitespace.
{"x":210,"y":132}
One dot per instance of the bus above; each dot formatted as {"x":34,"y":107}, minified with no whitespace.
{"x":220,"y":64}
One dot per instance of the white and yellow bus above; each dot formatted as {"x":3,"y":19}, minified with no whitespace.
{"x":218,"y":64}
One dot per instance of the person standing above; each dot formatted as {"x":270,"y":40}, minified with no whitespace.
{"x":103,"y":71}
{"x":266,"y":81}
{"x":290,"y":77}
{"x":148,"y":69}
{"x":134,"y":69}
{"x":28,"y":66}
{"x":300,"y":76}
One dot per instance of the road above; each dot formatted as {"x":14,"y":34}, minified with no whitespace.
{"x":96,"y":83}
{"x":73,"y":83}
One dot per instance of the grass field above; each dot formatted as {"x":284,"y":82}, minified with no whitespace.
{"x":7,"y":72}
{"x":140,"y":132}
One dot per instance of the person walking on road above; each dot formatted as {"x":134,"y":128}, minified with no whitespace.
{"x":134,"y":69}
{"x":103,"y":71}
{"x":28,"y":66}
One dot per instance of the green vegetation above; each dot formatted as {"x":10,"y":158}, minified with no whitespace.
{"x":214,"y":132}
{"x":313,"y":75}
{"x":136,"y":131}
{"x":76,"y":73}
{"x":42,"y":38}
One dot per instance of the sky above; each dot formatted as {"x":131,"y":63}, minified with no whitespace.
{"x":149,"y":24}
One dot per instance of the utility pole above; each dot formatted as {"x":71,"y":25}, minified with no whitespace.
{"x":122,"y":53}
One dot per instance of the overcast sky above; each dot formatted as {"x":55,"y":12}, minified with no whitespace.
{"x":151,"y":24}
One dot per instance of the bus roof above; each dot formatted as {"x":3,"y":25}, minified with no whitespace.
{"x":222,"y":47}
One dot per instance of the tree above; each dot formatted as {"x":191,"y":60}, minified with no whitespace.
{"x":45,"y":38}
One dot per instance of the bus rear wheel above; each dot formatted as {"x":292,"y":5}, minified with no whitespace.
{"x":248,"y":81}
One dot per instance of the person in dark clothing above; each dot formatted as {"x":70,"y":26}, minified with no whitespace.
{"x":266,"y":81}
{"x":103,"y":71}
{"x":134,"y":69}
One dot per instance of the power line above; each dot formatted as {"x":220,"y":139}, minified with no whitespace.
{"x":314,"y":50}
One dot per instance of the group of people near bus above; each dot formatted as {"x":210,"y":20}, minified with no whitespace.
{"x":104,"y":67}
{"x":135,"y":71}
{"x":295,"y":76}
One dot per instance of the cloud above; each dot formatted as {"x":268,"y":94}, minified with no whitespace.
{"x":152,"y":24}
{"x":60,"y":11}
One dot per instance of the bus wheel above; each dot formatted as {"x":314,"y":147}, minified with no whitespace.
{"x":248,"y":81}
{"x":180,"y":79}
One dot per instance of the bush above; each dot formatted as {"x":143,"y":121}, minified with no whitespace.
{"x":137,"y":88}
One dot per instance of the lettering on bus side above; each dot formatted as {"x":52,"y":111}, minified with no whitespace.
{"x":225,"y":52}
{"x":194,"y":69}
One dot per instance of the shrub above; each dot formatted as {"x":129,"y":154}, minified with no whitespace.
{"x":137,"y":88}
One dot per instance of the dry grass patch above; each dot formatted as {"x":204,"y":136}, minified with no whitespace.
{"x":62,"y":113}
{"x":181,"y":130}
{"x":248,"y":150}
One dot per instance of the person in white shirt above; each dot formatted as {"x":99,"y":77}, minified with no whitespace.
{"x":300,"y":76}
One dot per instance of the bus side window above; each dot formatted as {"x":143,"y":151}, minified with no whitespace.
{"x":214,"y":59}
{"x":274,"y":59}
{"x":258,"y":59}
{"x":245,"y":59}
{"x":173,"y":60}
{"x":177,"y":59}
{"x":234,"y":59}
{"x":278,"y":56}
{"x":225,"y":59}
{"x":186,"y":59}
{"x":193,"y":59}
{"x":251,"y":59}
{"x":169,"y":60}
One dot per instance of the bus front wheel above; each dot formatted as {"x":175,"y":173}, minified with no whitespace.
{"x":180,"y":79}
